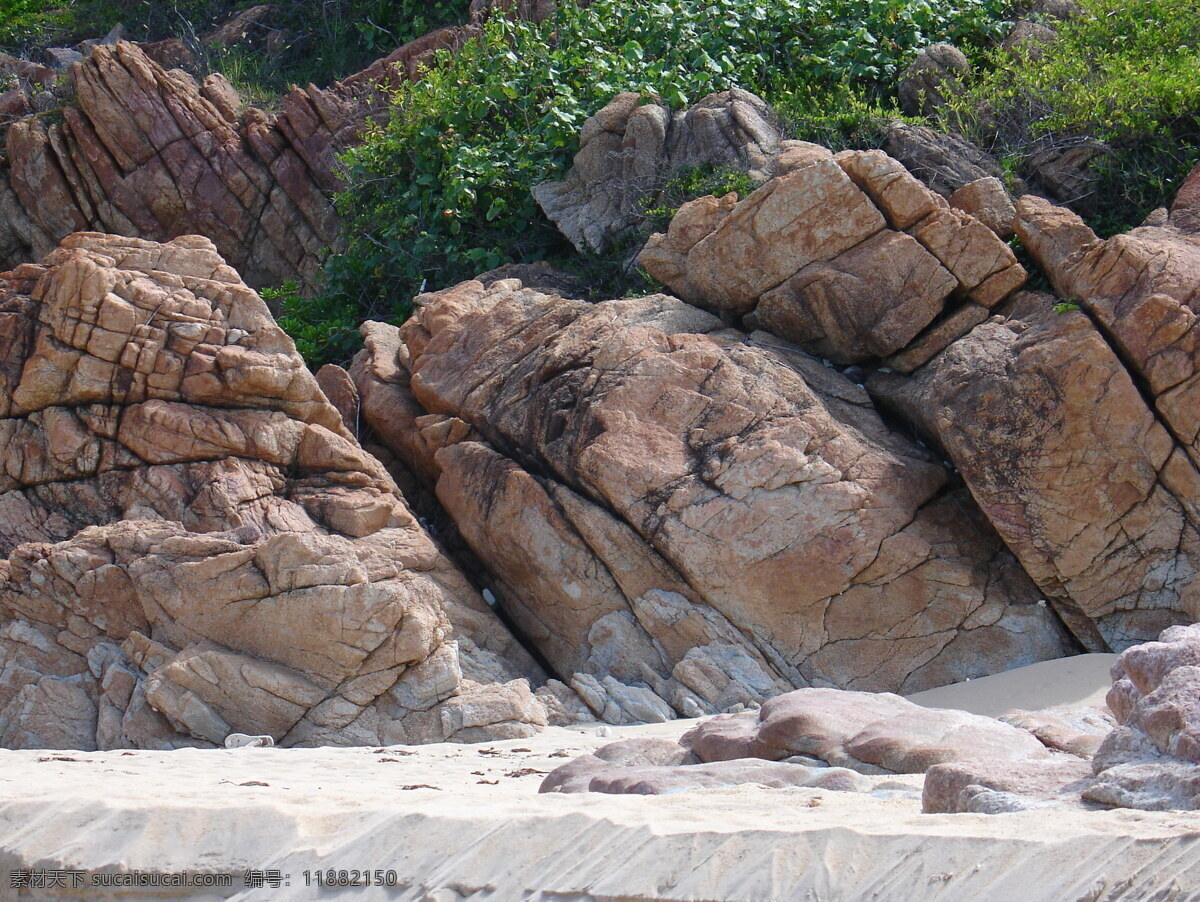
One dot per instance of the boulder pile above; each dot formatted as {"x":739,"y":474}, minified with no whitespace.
{"x":839,"y":740}
{"x":194,"y":544}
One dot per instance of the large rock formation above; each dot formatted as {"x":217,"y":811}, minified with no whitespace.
{"x":192,"y":542}
{"x":148,"y":152}
{"x":680,"y":511}
{"x":1041,"y":409}
{"x":1141,"y":288}
{"x":1069,"y":464}
{"x":850,"y":257}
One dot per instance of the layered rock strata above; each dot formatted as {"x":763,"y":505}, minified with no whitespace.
{"x":149,"y":153}
{"x":193,"y":544}
{"x":679,"y":512}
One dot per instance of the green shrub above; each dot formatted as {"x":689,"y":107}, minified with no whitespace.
{"x":441,"y":191}
{"x":1124,"y":72}
{"x":692,"y":182}
{"x":328,"y":39}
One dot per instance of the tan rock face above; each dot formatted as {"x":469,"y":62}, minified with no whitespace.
{"x":850,"y":257}
{"x":704,"y":514}
{"x":1143,"y":288}
{"x":1065,"y":459}
{"x":193,"y":543}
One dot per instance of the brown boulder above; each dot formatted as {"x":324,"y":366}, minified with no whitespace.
{"x":850,"y":257}
{"x":629,"y":149}
{"x":1141,"y":287}
{"x":1058,"y":447}
{"x":987,"y":200}
{"x":193,"y":542}
{"x":701,"y":514}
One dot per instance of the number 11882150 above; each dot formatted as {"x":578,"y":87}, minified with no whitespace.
{"x":331,"y":877}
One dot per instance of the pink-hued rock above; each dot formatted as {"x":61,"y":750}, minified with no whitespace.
{"x":672,"y":507}
{"x":850,"y":256}
{"x":804,"y":216}
{"x":869,"y":302}
{"x":988,"y":201}
{"x":1152,"y":759}
{"x":192,"y":542}
{"x":145,"y":152}
{"x":1069,"y":464}
{"x":1077,"y":731}
{"x":998,"y":787}
{"x":830,"y":738}
{"x":1141,"y":287}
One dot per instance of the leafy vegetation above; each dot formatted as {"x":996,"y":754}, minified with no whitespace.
{"x":322,"y":40}
{"x":441,"y":191}
{"x":692,"y":182}
{"x":1123,"y":72}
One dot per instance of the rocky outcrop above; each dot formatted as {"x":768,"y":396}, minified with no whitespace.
{"x":1041,"y":408}
{"x":851,"y":257}
{"x":678,"y":511}
{"x":147,"y":152}
{"x":193,"y":544}
{"x":1076,"y":429}
{"x":1140,"y":288}
{"x":629,"y":149}
{"x":1152,"y":760}
{"x":1069,"y":464}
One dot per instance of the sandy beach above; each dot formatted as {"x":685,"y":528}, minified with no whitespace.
{"x":458,"y":822}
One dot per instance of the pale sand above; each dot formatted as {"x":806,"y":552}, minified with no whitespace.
{"x":490,"y":836}
{"x":1077,"y":682}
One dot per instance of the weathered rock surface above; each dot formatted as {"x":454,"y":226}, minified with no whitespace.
{"x":1152,"y":760}
{"x":850,"y":257}
{"x":629,"y":149}
{"x":817,"y":738}
{"x":675,"y":507}
{"x":866,"y":732}
{"x":945,"y":162}
{"x":1141,"y":287}
{"x":999,"y":787}
{"x":193,"y":544}
{"x":988,"y":201}
{"x":145,"y":152}
{"x":937,"y":73}
{"x":1077,"y":474}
